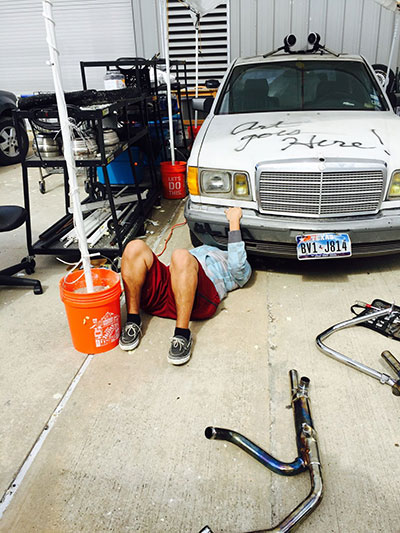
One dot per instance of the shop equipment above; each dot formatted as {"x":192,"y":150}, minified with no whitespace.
{"x":109,"y":145}
{"x":12,"y":217}
{"x":308,"y":454}
{"x":379,"y":316}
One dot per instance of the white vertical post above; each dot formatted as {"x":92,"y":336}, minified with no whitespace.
{"x":164,"y":21}
{"x":197,"y":67}
{"x":394,"y":40}
{"x":67,"y":143}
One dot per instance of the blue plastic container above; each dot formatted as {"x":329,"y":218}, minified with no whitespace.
{"x":119,"y":170}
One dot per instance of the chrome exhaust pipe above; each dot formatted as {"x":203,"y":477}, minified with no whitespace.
{"x":307,"y":448}
{"x":383,"y":378}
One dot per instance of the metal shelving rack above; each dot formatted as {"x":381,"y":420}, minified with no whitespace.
{"x":137,"y":66}
{"x":137,"y":199}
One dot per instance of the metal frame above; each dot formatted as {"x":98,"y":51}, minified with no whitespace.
{"x":48,"y":242}
{"x":383,"y":378}
{"x":180,"y":70}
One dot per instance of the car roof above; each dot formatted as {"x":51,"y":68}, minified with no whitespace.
{"x":296,"y":57}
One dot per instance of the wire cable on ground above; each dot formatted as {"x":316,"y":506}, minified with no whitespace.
{"x":169,"y":236}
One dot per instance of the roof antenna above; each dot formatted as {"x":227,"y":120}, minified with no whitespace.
{"x":288,"y":42}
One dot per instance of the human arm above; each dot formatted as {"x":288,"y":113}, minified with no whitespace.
{"x":237,"y":257}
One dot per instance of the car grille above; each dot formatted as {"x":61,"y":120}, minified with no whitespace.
{"x":321,"y":194}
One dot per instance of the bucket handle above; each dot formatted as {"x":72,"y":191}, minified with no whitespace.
{"x":75,"y":266}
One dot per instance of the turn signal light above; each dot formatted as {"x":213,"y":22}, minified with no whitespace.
{"x":241,"y":186}
{"x":193,"y":180}
{"x":394,"y":191}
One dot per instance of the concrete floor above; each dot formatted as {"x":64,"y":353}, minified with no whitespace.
{"x":127,"y":451}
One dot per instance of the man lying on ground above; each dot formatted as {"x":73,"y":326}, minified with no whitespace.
{"x":190,"y":288}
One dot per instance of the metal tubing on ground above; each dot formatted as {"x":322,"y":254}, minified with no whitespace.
{"x":308,"y":459}
{"x":380,"y":376}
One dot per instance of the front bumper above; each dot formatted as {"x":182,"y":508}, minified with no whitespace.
{"x":276,"y":236}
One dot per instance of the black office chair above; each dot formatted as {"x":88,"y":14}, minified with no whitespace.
{"x":12,"y":217}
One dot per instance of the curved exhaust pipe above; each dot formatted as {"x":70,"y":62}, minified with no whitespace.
{"x":307,"y":448}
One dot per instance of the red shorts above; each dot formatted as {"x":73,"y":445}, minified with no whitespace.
{"x":157,"y":297}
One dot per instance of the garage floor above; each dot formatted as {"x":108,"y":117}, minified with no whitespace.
{"x":126,"y":451}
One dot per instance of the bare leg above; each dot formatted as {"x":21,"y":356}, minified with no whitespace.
{"x":184,"y":270}
{"x":137,"y":260}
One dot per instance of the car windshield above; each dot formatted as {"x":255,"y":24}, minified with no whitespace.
{"x":301,"y":85}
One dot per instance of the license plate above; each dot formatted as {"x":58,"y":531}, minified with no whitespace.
{"x":323,"y":246}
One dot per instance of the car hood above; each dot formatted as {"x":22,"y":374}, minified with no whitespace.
{"x":242,"y":141}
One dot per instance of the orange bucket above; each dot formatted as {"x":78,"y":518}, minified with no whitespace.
{"x":173,"y":179}
{"x":94,"y":318}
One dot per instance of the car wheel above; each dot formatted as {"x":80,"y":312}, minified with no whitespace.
{"x":380,"y":71}
{"x":10,"y":152}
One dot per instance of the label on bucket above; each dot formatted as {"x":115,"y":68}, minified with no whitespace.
{"x":175,"y":187}
{"x":106,"y":329}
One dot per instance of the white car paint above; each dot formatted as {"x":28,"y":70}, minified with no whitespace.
{"x":308,"y":141}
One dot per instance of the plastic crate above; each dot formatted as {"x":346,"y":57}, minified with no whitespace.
{"x":119,"y":170}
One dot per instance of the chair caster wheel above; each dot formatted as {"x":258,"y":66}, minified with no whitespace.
{"x":37,"y":289}
{"x":30,"y":265}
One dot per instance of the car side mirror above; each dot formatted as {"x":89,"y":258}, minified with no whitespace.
{"x":212,"y":84}
{"x":203,"y":104}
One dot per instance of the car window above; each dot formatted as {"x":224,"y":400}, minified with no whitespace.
{"x":301,"y":85}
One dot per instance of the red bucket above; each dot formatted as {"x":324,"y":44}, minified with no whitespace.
{"x":173,"y":179}
{"x":195,"y":131}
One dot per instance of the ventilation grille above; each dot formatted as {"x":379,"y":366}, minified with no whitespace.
{"x":327,"y":194}
{"x":213,"y":41}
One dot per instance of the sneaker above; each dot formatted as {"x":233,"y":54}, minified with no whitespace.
{"x":180,"y":350}
{"x":130,"y":336}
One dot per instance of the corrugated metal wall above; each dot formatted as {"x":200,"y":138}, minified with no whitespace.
{"x":352,"y":26}
{"x":106,"y":29}
{"x":86,"y":30}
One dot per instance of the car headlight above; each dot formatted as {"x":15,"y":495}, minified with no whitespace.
{"x":394,"y":189}
{"x":215,"y":182}
{"x":225,"y":184}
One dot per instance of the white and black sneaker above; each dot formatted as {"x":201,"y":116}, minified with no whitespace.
{"x":180,"y":351}
{"x":130,"y":336}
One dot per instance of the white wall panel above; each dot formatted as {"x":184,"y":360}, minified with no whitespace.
{"x":386,"y":28}
{"x":317,"y":17}
{"x":248,"y":17}
{"x":86,"y":30}
{"x":147,"y":27}
{"x":369,"y":39}
{"x":282,"y":20}
{"x":265,"y":26}
{"x":335,"y":24}
{"x":300,"y":21}
{"x":107,"y":29}
{"x":349,"y":26}
{"x":352,"y":28}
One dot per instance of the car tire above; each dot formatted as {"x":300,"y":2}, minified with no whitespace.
{"x":10,"y":152}
{"x":380,"y":71}
{"x":195,"y":240}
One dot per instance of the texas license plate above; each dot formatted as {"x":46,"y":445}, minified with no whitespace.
{"x":323,"y":245}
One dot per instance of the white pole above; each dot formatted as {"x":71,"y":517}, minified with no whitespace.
{"x":67,"y":144}
{"x":395,"y":34}
{"x":164,"y":20}
{"x":197,"y":67}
